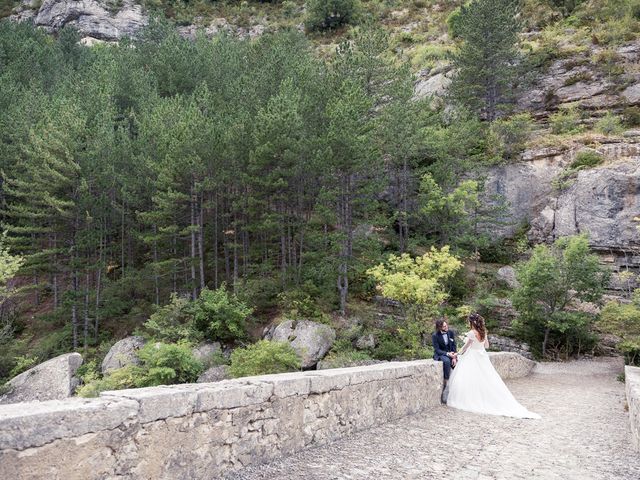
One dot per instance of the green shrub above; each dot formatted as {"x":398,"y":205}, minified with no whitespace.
{"x":345,"y":358}
{"x":168,"y":363}
{"x":220,"y":315}
{"x":298,"y":305}
{"x":586,"y":159}
{"x":623,"y":320}
{"x":264,"y":357}
{"x":328,"y":14}
{"x":550,"y":281}
{"x":566,"y":6}
{"x":428,"y":54}
{"x":389,"y":348}
{"x":130,"y":376}
{"x":162,"y":364}
{"x":508,"y":137}
{"x":289,"y":8}
{"x":631,"y":116}
{"x":22,"y":364}
{"x":610,"y":124}
{"x":578,"y":77}
{"x":565,"y":121}
{"x":172,"y":322}
{"x":453,"y":22}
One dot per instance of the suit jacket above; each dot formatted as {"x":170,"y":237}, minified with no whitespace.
{"x":439,"y":347}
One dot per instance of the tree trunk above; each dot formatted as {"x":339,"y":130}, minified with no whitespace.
{"x":37,"y":289}
{"x":96,"y":322}
{"x":194,"y":288}
{"x":86,"y":312}
{"x":122,"y":237}
{"x":74,"y":310}
{"x":56,"y":295}
{"x":174,"y":273}
{"x":215,"y":243}
{"x":156,"y":280}
{"x":201,"y":242}
{"x":544,"y":342}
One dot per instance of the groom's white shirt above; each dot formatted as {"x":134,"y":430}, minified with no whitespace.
{"x":445,"y":337}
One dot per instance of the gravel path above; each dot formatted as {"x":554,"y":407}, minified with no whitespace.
{"x":584,"y":434}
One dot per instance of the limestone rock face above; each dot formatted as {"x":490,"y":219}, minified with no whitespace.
{"x":93,"y":18}
{"x":310,"y":340}
{"x":507,"y":274}
{"x":632,"y":94}
{"x":432,"y":84}
{"x":525,"y":186}
{"x":122,"y":353}
{"x":575,"y":79}
{"x":602,"y":201}
{"x":52,"y":380}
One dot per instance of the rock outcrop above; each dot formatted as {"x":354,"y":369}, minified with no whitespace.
{"x":602,"y":201}
{"x":205,"y":351}
{"x":52,"y":380}
{"x":506,"y":344}
{"x":310,"y":340}
{"x":507,"y":275}
{"x":123,"y":353}
{"x":96,"y":19}
{"x":525,"y":187}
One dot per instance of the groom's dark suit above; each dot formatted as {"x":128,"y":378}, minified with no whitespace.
{"x":440,"y":349}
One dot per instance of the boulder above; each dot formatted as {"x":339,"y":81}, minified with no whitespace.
{"x":205,"y":351}
{"x":632,"y":94}
{"x":123,"y":353}
{"x":432,"y":85}
{"x":52,"y":380}
{"x":507,"y":274}
{"x":511,"y":365}
{"x":608,"y":344}
{"x":310,"y":340}
{"x":215,"y":374}
{"x":366,"y":342}
{"x":506,"y":344}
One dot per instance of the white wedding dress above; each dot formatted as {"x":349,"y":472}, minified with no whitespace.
{"x":475,"y":386}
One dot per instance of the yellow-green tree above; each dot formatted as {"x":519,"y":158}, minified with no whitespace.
{"x":419,"y":284}
{"x":9,"y":266}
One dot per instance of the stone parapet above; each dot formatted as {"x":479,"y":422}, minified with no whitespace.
{"x":202,"y":431}
{"x":632,"y":387}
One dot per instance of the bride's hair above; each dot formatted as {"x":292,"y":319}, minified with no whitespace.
{"x":477,"y":323}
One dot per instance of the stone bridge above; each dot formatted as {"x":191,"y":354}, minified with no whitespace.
{"x":377,"y":422}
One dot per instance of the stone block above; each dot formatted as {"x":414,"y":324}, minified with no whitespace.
{"x":25,"y":425}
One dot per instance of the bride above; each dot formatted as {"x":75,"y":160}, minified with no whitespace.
{"x":475,"y":386}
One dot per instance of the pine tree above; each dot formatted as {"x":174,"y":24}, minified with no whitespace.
{"x":487,"y":62}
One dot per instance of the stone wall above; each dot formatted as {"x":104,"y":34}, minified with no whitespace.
{"x":632,"y":384}
{"x":200,"y":431}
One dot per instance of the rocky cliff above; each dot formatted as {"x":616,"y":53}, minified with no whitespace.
{"x":95,"y":19}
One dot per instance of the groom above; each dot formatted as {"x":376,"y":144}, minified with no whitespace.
{"x":445,"y":351}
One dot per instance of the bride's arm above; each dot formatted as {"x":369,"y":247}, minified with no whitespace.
{"x":486,"y":340}
{"x":466,"y":346}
